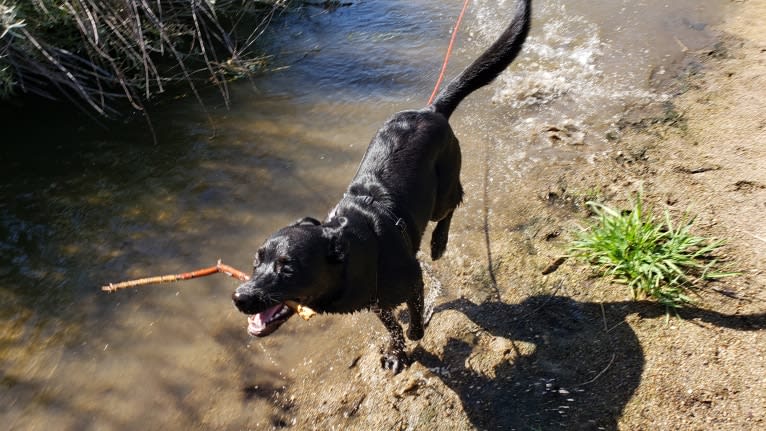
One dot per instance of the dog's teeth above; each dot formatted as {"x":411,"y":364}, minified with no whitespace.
{"x":282,"y":313}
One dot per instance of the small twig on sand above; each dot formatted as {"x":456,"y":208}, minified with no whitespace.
{"x":555,"y":265}
{"x":219,"y":267}
{"x":551,"y":296}
{"x":755,"y":236}
{"x":614,"y":355}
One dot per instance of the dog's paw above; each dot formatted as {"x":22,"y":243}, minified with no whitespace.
{"x":395,"y":362}
{"x":438,"y":247}
{"x":415,"y":333}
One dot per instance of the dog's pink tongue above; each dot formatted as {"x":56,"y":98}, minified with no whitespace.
{"x":258,"y":324}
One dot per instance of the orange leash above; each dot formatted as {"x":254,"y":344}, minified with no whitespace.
{"x":449,"y":51}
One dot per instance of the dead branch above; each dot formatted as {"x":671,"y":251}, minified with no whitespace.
{"x":219,"y":267}
{"x":305,"y":312}
{"x":232,"y":272}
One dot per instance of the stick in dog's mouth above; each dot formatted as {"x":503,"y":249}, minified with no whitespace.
{"x":305,"y":312}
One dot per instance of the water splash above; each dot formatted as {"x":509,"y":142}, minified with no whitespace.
{"x":434,"y":288}
{"x":564,"y":71}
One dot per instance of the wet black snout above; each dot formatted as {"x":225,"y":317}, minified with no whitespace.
{"x":247,"y":301}
{"x":239,"y":299}
{"x":242,"y":301}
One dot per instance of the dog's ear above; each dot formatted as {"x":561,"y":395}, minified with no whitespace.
{"x":336,"y":250}
{"x":307,"y":221}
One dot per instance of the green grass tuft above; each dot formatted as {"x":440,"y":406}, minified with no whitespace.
{"x":655,"y":258}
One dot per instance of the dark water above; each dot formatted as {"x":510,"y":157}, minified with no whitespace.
{"x":82,"y":205}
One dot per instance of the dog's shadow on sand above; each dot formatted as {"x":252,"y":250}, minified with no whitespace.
{"x":567,"y":364}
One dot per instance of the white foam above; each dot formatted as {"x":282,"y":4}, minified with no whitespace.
{"x":567,"y":74}
{"x":562,"y":61}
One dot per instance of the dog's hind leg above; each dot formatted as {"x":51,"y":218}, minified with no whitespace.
{"x":440,"y":236}
{"x":449,"y":195}
{"x":394,"y":358}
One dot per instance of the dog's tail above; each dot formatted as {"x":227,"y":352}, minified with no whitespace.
{"x":489,"y":64}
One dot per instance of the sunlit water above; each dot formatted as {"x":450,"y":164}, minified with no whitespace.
{"x":83,"y":205}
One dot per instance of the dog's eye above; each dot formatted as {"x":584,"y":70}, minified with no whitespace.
{"x":258,"y":258}
{"x":282,"y":264}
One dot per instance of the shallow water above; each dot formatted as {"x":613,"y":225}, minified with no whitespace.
{"x":104,"y":204}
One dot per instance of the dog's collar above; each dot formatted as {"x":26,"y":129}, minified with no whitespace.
{"x":399,"y":222}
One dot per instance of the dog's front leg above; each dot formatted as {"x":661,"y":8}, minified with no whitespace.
{"x":394,"y":358}
{"x":415,"y":307}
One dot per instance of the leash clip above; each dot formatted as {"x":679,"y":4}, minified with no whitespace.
{"x":401,"y":224}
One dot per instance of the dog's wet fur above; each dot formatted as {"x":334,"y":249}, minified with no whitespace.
{"x":362,"y":256}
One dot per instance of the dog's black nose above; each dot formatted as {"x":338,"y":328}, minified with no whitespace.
{"x":244,"y":302}
{"x":236,"y":297}
{"x":240,"y":301}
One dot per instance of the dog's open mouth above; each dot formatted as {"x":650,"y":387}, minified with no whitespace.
{"x":267,"y":321}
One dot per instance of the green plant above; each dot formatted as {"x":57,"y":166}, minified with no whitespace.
{"x":655,"y":258}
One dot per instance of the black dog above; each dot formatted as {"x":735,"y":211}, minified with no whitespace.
{"x":363,"y":255}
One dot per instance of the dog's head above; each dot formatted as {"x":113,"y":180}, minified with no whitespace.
{"x":301,"y":262}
